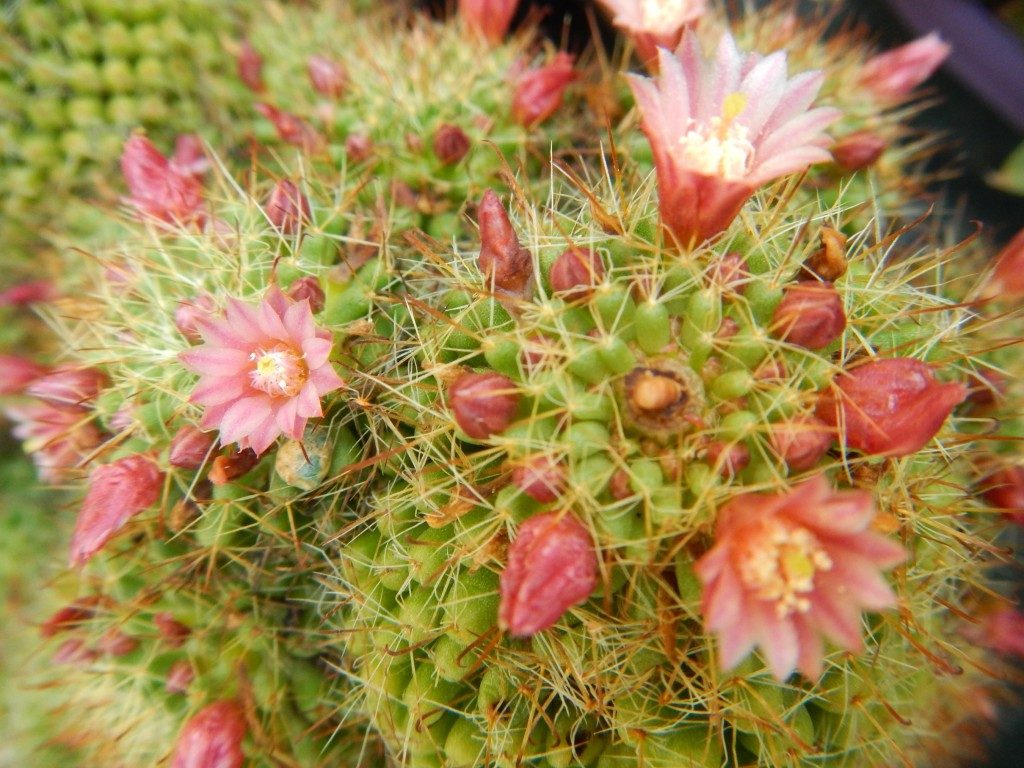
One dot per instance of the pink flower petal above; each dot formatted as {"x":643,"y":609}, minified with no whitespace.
{"x":215,"y":361}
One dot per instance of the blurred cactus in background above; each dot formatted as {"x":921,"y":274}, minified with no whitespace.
{"x":468,"y":403}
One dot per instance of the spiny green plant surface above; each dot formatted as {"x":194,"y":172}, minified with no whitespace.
{"x":344,"y":589}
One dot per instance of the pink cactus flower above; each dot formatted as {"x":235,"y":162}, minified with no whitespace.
{"x":31,"y":292}
{"x":117,"y":492}
{"x":552,"y":566}
{"x":292,"y":129}
{"x":212,"y":738}
{"x":720,"y":128}
{"x":651,"y":24}
{"x":16,"y":373}
{"x":68,"y":386}
{"x":1007,"y":279}
{"x":1001,"y":629}
{"x":889,"y":407}
{"x":157,"y":190}
{"x":893,"y":75}
{"x":488,"y":18}
{"x":263,"y":370}
{"x":250,"y":67}
{"x":328,"y":76}
{"x":790,"y":568}
{"x":189,"y":158}
{"x":539,"y":91}
{"x":58,"y":438}
{"x":190,"y":311}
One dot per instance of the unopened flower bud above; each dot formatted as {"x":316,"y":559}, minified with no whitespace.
{"x":75,"y":653}
{"x":1001,"y":629}
{"x":308,"y":289}
{"x":488,"y":18}
{"x":576,"y":273}
{"x":232,"y":466}
{"x":189,"y":313}
{"x":542,"y":478}
{"x":502,"y":259}
{"x":801,"y":443}
{"x":287,"y":207}
{"x":893,"y":75}
{"x":730,"y":458}
{"x":539,"y":91}
{"x":116,"y":643}
{"x":483,"y":403}
{"x":1007,"y":280}
{"x":810,"y":315}
{"x":292,"y":129}
{"x":179,"y":677}
{"x":68,"y":386}
{"x":16,"y":373}
{"x":70,"y":617}
{"x":250,"y":67}
{"x":890,"y":407}
{"x":157,"y":190}
{"x":1004,"y":490}
{"x":212,"y":738}
{"x":358,"y":147}
{"x":31,"y":292}
{"x":450,"y":144}
{"x":190,"y":448}
{"x":327,"y":76}
{"x":730,"y":272}
{"x":536,"y":350}
{"x":117,"y":492}
{"x":858,"y":150}
{"x":172,"y":631}
{"x":552,"y":566}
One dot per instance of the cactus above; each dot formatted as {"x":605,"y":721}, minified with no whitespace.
{"x":422,"y":450}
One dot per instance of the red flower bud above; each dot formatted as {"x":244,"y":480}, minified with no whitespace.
{"x":483,"y":403}
{"x":190,"y":448}
{"x":1007,"y":280}
{"x":117,"y":492}
{"x":358,"y":147}
{"x":74,"y":652}
{"x":1004,"y":489}
{"x":576,"y":272}
{"x":893,"y":75}
{"x":858,"y":150}
{"x":68,"y":386}
{"x":810,"y":315}
{"x":552,"y":566}
{"x":1001,"y":629}
{"x":730,"y":458}
{"x":730,"y":272}
{"x":172,"y":631}
{"x":502,"y":259}
{"x":232,"y":466}
{"x":30,"y":292}
{"x":539,"y":91}
{"x":292,"y":129}
{"x":250,"y":67}
{"x":287,"y":208}
{"x":801,"y":443}
{"x":16,"y":373}
{"x":189,"y":314}
{"x":536,"y":350}
{"x":212,"y":738}
{"x":329,"y":77}
{"x":308,"y":289}
{"x":189,"y":158}
{"x":489,"y":18}
{"x":70,"y":617}
{"x":179,"y":677}
{"x":156,"y":189}
{"x":450,"y":144}
{"x":114,"y":642}
{"x":542,"y":478}
{"x":888,"y":407}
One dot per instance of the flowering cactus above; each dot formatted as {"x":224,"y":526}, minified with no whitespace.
{"x":645,"y":460}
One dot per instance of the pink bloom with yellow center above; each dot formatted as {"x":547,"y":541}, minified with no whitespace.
{"x":655,"y":23}
{"x":720,"y":128}
{"x":263,"y":371}
{"x":790,"y":568}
